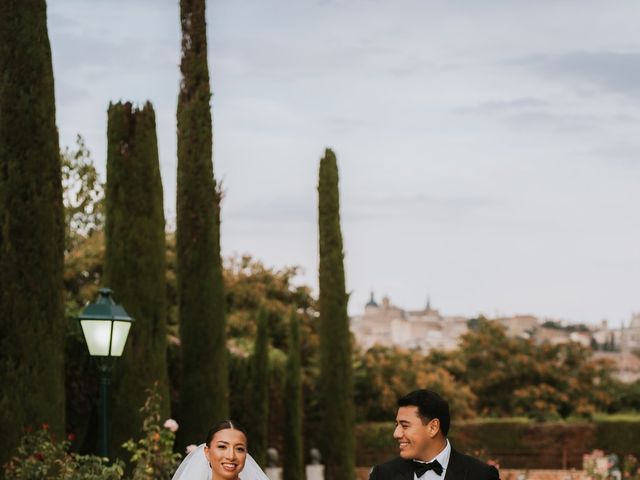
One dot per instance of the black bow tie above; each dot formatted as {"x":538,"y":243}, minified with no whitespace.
{"x":420,"y":468}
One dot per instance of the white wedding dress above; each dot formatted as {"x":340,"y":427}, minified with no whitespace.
{"x":196,"y":466}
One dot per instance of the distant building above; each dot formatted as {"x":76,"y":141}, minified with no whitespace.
{"x":626,"y":365}
{"x":389,"y":325}
{"x":521,"y":326}
{"x":629,"y":336}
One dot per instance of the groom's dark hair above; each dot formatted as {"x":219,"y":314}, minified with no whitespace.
{"x":430,"y":405}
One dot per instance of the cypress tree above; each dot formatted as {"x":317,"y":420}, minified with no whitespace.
{"x":293,"y":459}
{"x":201,"y":301}
{"x":135,"y":261}
{"x":258,"y":413}
{"x":31,"y":229}
{"x":336,"y":384}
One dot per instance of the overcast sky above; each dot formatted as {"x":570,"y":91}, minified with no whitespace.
{"x":489,"y":152}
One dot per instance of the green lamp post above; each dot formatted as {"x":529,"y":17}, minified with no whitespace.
{"x":105,"y":326}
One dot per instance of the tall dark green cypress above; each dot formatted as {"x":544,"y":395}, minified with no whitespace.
{"x":201,"y":301}
{"x":293,"y":459}
{"x":336,"y":384}
{"x":135,"y":261}
{"x":258,"y":415}
{"x":31,"y":229}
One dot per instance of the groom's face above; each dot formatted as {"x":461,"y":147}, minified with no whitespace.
{"x":415,"y":439}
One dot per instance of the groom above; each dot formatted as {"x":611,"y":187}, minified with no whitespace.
{"x":421,"y":430}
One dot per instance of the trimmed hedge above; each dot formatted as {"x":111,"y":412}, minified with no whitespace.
{"x":515,"y":444}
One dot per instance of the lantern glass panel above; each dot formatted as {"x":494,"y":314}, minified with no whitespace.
{"x":120,"y":332}
{"x":97,"y":334}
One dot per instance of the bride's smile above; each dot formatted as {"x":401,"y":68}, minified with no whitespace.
{"x":227,"y":453}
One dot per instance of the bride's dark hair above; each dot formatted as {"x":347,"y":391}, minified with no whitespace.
{"x":224,"y":425}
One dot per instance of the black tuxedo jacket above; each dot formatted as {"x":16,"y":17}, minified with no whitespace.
{"x":461,"y":467}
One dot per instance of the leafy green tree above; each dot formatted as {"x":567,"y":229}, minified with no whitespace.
{"x":82,"y":194}
{"x":293,"y":459}
{"x":135,"y":260}
{"x":383,"y":374}
{"x":336,"y":382}
{"x":32,"y":232}
{"x":251,"y":286}
{"x":258,"y":409}
{"x":515,"y":376}
{"x":201,"y":307}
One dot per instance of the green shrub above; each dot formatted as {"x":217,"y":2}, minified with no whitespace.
{"x":514,"y":443}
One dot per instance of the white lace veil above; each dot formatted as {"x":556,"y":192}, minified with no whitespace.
{"x":252,"y":470}
{"x":195,"y":466}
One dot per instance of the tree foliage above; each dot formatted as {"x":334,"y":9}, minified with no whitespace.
{"x":82,"y":194}
{"x":32,"y":229}
{"x":135,"y":260}
{"x":514,"y":376}
{"x":336,"y":382}
{"x":293,"y":466}
{"x":258,"y":413}
{"x":382,"y":375}
{"x":201,"y":301}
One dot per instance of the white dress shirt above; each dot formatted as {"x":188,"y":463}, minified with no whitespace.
{"x":442,"y":458}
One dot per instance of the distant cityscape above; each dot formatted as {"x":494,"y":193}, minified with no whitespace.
{"x":388,"y":325}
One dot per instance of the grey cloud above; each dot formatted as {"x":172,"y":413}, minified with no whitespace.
{"x":286,"y":210}
{"x":559,"y":122}
{"x":530,"y":112}
{"x":504,"y":106}
{"x":70,"y":93}
{"x":607,"y":71}
{"x":343,"y":124}
{"x":436,"y":207}
{"x":74,"y":52}
{"x":623,"y":155}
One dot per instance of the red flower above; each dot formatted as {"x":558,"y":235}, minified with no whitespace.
{"x":45,"y":426}
{"x":71,"y":437}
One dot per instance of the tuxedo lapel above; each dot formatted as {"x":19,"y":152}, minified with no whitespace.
{"x":404,"y":471}
{"x":456,"y":469}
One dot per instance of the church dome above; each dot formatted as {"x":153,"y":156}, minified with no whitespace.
{"x":371,"y":302}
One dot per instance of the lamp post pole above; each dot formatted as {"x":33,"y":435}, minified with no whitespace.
{"x":104,"y":418}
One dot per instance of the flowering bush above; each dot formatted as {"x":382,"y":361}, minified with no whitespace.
{"x":40,"y":456}
{"x":630,"y":468}
{"x":152,"y":456}
{"x":599,"y":466}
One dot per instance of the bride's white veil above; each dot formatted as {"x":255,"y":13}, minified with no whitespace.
{"x":252,"y":470}
{"x":195,"y":466}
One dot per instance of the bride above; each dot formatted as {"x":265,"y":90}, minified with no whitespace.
{"x":223,"y":456}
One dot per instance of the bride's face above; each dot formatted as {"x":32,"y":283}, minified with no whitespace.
{"x":227,"y":453}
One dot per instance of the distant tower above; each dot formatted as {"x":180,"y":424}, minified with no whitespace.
{"x":371,"y":303}
{"x":428,"y":308}
{"x":385,"y":302}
